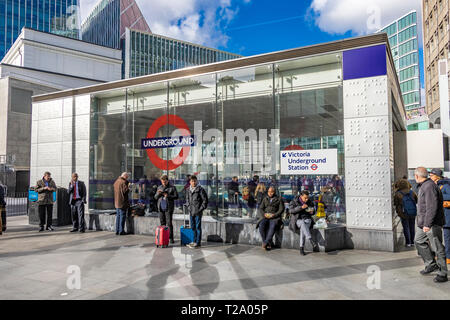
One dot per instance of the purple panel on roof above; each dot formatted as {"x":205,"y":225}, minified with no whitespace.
{"x":365,"y":62}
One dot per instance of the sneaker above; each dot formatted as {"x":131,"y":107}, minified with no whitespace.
{"x":41,"y":229}
{"x":50,"y":228}
{"x":190,"y":245}
{"x":439,"y":279}
{"x":429,"y":270}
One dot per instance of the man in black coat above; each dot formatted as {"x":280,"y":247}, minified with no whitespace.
{"x":430,"y":219}
{"x":197,"y":202}
{"x":166,"y":194}
{"x":77,"y":200}
{"x":269,"y":217}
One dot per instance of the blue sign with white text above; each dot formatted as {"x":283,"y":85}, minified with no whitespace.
{"x":168,"y":142}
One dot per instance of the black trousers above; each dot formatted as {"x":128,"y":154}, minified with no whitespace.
{"x":165,"y":218}
{"x":45,"y":215}
{"x":77,"y":210}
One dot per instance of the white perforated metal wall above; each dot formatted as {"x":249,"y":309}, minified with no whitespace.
{"x":367,"y":153}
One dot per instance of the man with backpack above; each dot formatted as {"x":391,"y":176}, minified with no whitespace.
{"x":405,"y":202}
{"x":430,"y":219}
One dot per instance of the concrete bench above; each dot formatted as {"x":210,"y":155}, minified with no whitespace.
{"x":231,"y":230}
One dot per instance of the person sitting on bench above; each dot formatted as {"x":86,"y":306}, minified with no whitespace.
{"x":269,"y":217}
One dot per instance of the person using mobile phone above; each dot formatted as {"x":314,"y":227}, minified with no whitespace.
{"x":45,"y":188}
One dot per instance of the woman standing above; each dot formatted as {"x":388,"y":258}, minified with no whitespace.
{"x":260,"y":192}
{"x":405,"y":202}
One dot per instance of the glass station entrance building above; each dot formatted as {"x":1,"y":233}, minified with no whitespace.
{"x":326,"y":118}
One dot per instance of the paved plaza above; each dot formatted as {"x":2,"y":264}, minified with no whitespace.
{"x":35,"y":266}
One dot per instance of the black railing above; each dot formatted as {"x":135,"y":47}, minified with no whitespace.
{"x":17,"y":204}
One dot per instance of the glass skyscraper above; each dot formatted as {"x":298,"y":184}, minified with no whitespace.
{"x":56,"y":16}
{"x":403,"y":39}
{"x":107,"y":22}
{"x":147,"y":53}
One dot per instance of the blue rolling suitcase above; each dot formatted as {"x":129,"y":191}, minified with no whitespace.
{"x":186,"y":233}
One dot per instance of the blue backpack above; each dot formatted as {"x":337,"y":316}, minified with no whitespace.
{"x":409,"y":205}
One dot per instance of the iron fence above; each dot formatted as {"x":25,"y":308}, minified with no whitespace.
{"x":16,"y":204}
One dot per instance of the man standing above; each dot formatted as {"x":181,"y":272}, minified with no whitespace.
{"x":2,"y":208}
{"x":121,"y":202}
{"x":165,"y":197}
{"x":269,"y":217}
{"x":77,"y":200}
{"x":430,"y":219}
{"x":444,"y":185}
{"x":196,"y":201}
{"x":252,"y":184}
{"x":45,"y":188}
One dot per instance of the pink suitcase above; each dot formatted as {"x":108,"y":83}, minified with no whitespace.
{"x":162,"y":235}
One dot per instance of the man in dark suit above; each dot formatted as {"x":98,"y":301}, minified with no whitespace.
{"x":77,"y":200}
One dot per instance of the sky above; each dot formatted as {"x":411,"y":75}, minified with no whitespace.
{"x":250,"y":27}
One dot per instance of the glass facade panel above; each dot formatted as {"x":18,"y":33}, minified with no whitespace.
{"x":240,"y":120}
{"x":312,"y":118}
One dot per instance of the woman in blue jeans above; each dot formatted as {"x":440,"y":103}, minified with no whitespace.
{"x":405,"y":202}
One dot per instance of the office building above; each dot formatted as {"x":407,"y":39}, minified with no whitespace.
{"x":39,"y":63}
{"x":120,"y":24}
{"x":403,"y":39}
{"x":244,"y":117}
{"x":147,"y":53}
{"x":436,"y":47}
{"x":107,"y":22}
{"x":53,"y":16}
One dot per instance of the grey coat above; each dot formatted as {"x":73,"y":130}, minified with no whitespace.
{"x":196,"y":200}
{"x":276,"y":207}
{"x":430,"y":206}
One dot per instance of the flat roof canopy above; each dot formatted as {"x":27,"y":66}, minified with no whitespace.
{"x":329,"y":47}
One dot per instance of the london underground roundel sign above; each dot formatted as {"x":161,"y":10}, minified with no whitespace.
{"x":180,"y":124}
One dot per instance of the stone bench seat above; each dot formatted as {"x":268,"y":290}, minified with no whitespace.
{"x":232,"y":230}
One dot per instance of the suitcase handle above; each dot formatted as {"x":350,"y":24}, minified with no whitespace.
{"x":185,"y":209}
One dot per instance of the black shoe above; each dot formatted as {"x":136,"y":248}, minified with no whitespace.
{"x":123,"y":233}
{"x":172,"y":241}
{"x":41,"y":229}
{"x":50,"y":228}
{"x":268,"y":247}
{"x":429,"y":270}
{"x":74,"y":230}
{"x":98,"y":229}
{"x":90,"y":229}
{"x":82,"y":231}
{"x":302,"y":251}
{"x":439,"y":279}
{"x":117,"y":233}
